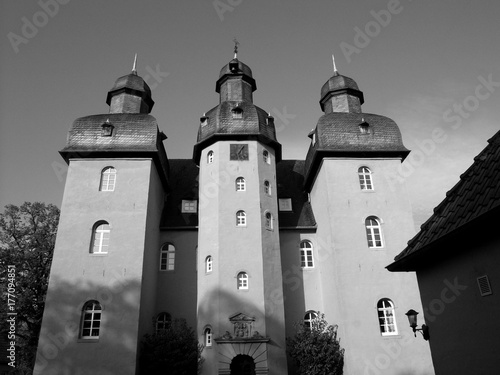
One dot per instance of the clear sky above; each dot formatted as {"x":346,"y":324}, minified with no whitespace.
{"x":432,"y":66}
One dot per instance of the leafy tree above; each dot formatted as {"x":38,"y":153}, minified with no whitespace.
{"x":316,"y":349}
{"x":174,"y":351}
{"x":27,"y":237}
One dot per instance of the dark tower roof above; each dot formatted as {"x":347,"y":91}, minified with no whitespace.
{"x":136,"y":90}
{"x":236,"y":117}
{"x":337,"y":85}
{"x":345,"y":131}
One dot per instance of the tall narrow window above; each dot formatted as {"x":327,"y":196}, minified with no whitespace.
{"x":208,"y":264}
{"x":373,"y":232}
{"x":267,"y":187}
{"x":266,"y":157}
{"x":306,"y":254}
{"x":208,"y":337}
{"x":386,"y":317}
{"x":241,"y":219}
{"x":108,"y":179}
{"x":167,"y":257}
{"x":242,"y":280}
{"x":241,"y":184}
{"x":100,"y":238}
{"x":309,"y":318}
{"x":210,"y":157}
{"x":269,"y":220}
{"x":163,"y":321}
{"x":365,"y":178}
{"x":91,"y":320}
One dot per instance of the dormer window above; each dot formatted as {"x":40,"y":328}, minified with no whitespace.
{"x":364,"y":127}
{"x":237,"y":112}
{"x":270,"y":120}
{"x":107,"y":129}
{"x":233,"y":66}
{"x":203,"y":120}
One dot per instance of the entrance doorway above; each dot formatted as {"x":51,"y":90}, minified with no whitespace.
{"x":242,"y":365}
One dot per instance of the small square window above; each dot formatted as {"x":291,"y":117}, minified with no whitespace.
{"x":285,"y":204}
{"x":189,"y":206}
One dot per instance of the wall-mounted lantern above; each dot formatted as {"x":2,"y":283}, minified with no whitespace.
{"x":412,"y":319}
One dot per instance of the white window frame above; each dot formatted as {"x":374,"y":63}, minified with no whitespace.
{"x":242,"y":279}
{"x":91,"y":320}
{"x":306,"y":254}
{"x":210,"y":157}
{"x":209,"y":264}
{"x":266,"y":156}
{"x":309,"y":318}
{"x":387,"y":317}
{"x":374,"y":232}
{"x":100,"y":238}
{"x":241,"y":219}
{"x":285,"y":204}
{"x":167,"y":257}
{"x":241,"y":184}
{"x":268,"y":217}
{"x":365,"y":178}
{"x":108,"y":179}
{"x":189,"y":206}
{"x":267,"y":187}
{"x":163,"y":320}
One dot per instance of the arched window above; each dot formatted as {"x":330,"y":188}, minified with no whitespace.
{"x":373,"y":232}
{"x":100,"y":238}
{"x":108,"y":179}
{"x":241,"y":219}
{"x":309,"y":318}
{"x":163,"y":321}
{"x":266,"y":157}
{"x":167,"y":257}
{"x":269,"y":220}
{"x":207,"y":333}
{"x":208,"y":264}
{"x":210,"y":157}
{"x":91,"y":320}
{"x":365,"y":178}
{"x":386,"y":317}
{"x":241,"y":184}
{"x":267,"y":187}
{"x":306,"y":254}
{"x":242,"y":280}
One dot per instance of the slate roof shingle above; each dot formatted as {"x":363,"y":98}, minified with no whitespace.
{"x":476,"y":194}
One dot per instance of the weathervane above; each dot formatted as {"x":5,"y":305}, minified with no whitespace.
{"x":134,"y":68}
{"x":236,"y":44}
{"x":335,"y":72}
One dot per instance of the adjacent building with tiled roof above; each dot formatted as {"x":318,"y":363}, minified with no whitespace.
{"x":457,"y":260}
{"x":237,"y":241}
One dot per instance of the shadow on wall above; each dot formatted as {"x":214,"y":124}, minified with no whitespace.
{"x":61,"y":350}
{"x":272,"y":328}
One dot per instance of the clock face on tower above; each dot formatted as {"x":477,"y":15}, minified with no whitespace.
{"x":238,"y":151}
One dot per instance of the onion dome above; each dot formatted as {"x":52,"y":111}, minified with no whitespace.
{"x":130,"y":94}
{"x":236,"y":117}
{"x":341,"y":94}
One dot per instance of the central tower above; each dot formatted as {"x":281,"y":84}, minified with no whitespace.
{"x":240,"y":294}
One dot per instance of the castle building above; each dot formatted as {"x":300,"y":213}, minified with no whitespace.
{"x":237,"y":241}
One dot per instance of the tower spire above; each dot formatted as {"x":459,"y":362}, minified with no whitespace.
{"x":236,"y":44}
{"x":134,"y":68}
{"x":335,"y":71}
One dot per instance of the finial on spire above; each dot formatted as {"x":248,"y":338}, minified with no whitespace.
{"x":236,"y":44}
{"x":335,"y":72}
{"x":134,"y":68}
